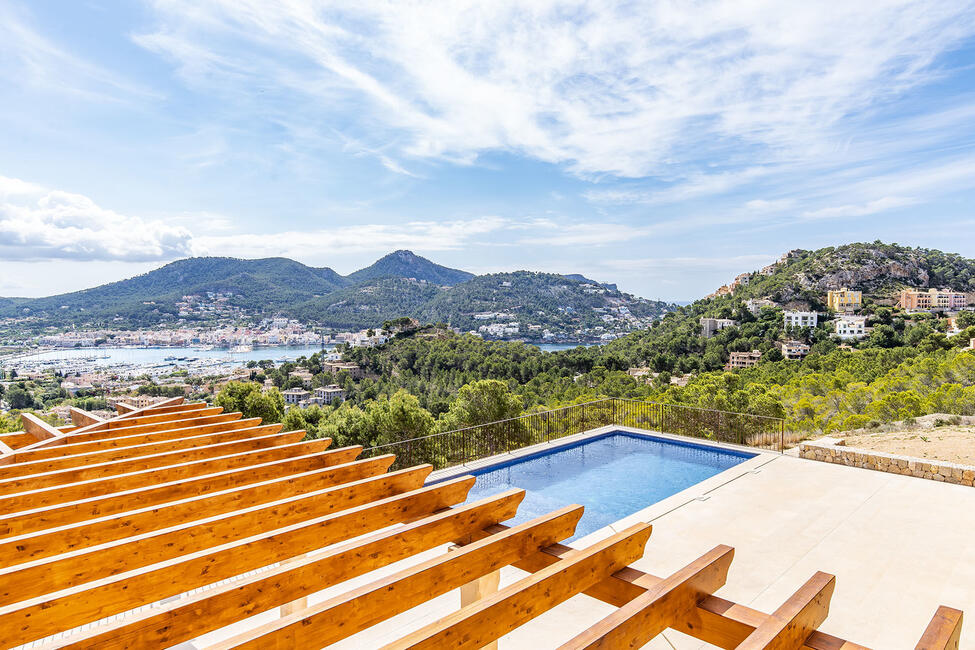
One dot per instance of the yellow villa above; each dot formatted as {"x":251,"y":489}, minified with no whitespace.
{"x":844,"y":300}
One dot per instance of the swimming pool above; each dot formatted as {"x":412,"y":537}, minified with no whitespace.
{"x":613,"y":476}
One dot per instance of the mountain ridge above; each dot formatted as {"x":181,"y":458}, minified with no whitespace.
{"x":400,"y":283}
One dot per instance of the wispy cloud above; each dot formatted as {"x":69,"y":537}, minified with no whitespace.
{"x":628,"y":90}
{"x":871,"y":207}
{"x":28,"y":58}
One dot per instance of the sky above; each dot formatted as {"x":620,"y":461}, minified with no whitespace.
{"x":664,"y":146}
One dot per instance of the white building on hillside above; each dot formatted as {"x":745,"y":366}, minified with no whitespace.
{"x":800,"y":319}
{"x":851,"y":327}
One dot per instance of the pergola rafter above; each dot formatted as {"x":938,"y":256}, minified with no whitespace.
{"x":211,"y":518}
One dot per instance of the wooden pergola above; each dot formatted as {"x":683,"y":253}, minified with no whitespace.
{"x":166,"y":523}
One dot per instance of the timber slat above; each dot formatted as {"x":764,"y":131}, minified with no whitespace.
{"x":191,"y":617}
{"x":791,"y":624}
{"x":74,"y":606}
{"x":68,"y":512}
{"x":28,"y":501}
{"x":355,"y":610}
{"x":24,"y":548}
{"x":79,"y":444}
{"x":86,"y":472}
{"x":665,"y":605}
{"x":34,"y":578}
{"x":87,"y":453}
{"x":137,"y":451}
{"x":488,"y":619}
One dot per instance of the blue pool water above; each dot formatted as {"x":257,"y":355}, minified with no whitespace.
{"x":613,"y":476}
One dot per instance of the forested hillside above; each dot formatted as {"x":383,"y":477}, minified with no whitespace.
{"x":399,"y":284}
{"x":419,"y":378}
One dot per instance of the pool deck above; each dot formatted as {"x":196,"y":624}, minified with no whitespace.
{"x":899,"y":547}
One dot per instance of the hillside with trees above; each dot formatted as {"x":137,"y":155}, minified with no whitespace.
{"x":399,"y":284}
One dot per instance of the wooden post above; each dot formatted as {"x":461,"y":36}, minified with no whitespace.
{"x":477,"y":589}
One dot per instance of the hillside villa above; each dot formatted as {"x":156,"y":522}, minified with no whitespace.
{"x":931,"y":300}
{"x":743,"y":359}
{"x":850,"y":327}
{"x":799,"y":319}
{"x":844,"y":300}
{"x":793,"y":350}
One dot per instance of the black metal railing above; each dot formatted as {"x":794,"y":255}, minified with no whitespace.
{"x":473,"y":443}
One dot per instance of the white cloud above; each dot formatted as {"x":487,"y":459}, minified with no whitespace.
{"x":620,"y":88}
{"x":861,"y":210}
{"x":42,"y":224}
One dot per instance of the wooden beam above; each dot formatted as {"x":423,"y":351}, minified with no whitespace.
{"x":474,"y":626}
{"x":96,"y":432}
{"x":119,"y":437}
{"x":667,"y":604}
{"x":122,"y":408}
{"x":36,"y":578}
{"x":790,"y":625}
{"x":72,"y":448}
{"x":196,"y":615}
{"x":17,"y":439}
{"x":55,"y":488}
{"x":79,"y":431}
{"x":74,"y":606}
{"x":172,"y":401}
{"x":86,"y":534}
{"x":262,"y":440}
{"x":83,"y":418}
{"x":943,"y":632}
{"x":38,"y":427}
{"x":25,"y":467}
{"x":717,"y":621}
{"x":76,"y":507}
{"x":160,"y":418}
{"x":377,"y":601}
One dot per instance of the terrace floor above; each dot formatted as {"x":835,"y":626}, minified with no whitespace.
{"x":899,"y":547}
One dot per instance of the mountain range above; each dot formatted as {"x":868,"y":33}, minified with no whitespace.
{"x":399,"y":284}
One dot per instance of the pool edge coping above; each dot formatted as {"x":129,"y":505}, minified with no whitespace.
{"x":466,"y":468}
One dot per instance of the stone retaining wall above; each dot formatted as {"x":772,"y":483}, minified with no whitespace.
{"x":831,"y":451}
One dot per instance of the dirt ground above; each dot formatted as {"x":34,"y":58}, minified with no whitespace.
{"x":953,"y":443}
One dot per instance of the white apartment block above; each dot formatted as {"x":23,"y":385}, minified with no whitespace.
{"x":800,"y":319}
{"x":329,"y":394}
{"x":851,"y":327}
{"x":294,"y":395}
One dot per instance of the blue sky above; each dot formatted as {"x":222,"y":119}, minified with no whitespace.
{"x":662,"y":146}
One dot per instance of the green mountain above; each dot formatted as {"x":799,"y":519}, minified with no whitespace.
{"x":404,"y":264}
{"x":271,"y":283}
{"x":544,"y":299}
{"x":220,"y":289}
